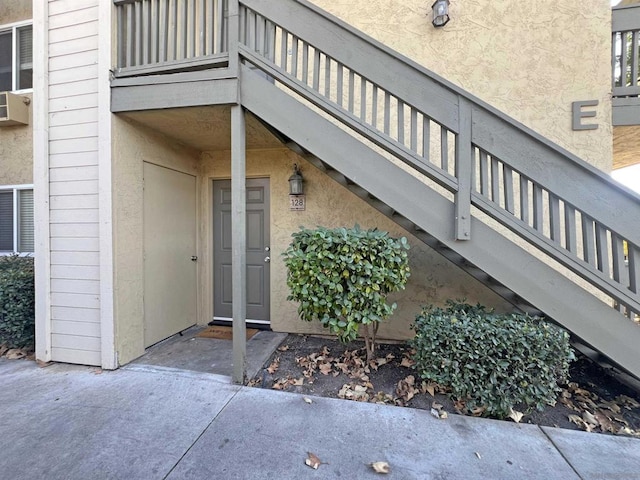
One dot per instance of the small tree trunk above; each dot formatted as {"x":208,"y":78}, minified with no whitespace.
{"x":370,"y":340}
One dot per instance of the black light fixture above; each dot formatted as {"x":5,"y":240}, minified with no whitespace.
{"x":295,"y":182}
{"x":440,"y":9}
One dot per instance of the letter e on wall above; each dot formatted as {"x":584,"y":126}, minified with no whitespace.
{"x":578,"y":113}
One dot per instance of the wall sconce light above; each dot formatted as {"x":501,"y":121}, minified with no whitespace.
{"x":440,"y":9}
{"x":295,"y":182}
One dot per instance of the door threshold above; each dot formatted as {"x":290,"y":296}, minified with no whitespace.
{"x":227,"y":322}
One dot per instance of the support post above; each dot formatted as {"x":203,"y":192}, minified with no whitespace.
{"x":239,"y":240}
{"x":233,"y":35}
{"x":464,"y":168}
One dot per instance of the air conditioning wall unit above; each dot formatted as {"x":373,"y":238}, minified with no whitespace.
{"x":14,"y":109}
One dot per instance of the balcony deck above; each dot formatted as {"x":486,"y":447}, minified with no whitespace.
{"x":625,"y":65}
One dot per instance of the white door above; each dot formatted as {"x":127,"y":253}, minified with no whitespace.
{"x":169,"y":252}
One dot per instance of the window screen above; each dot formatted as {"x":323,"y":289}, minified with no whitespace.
{"x":6,"y":60}
{"x":25,"y":58}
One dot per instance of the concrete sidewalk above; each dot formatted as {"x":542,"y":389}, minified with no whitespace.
{"x":141,"y":422}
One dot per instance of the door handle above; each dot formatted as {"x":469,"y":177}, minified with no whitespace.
{"x":267,"y":259}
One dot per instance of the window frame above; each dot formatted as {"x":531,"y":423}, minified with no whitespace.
{"x":16,"y":217}
{"x":13,"y":28}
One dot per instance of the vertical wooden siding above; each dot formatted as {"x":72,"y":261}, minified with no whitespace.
{"x":73,"y":170}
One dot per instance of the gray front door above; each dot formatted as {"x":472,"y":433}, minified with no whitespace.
{"x":258,"y":254}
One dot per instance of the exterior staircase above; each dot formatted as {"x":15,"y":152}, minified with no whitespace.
{"x":542,"y":228}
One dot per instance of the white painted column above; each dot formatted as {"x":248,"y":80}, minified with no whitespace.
{"x":41,"y":179}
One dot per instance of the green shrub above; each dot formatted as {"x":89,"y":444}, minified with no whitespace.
{"x":492,"y":362}
{"x":17,"y":301}
{"x":342,"y":277}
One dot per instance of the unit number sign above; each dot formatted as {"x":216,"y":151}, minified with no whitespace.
{"x":296,"y":202}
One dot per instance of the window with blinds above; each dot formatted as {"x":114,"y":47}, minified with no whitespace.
{"x":6,"y":221}
{"x":16,"y":221}
{"x":16,"y":65}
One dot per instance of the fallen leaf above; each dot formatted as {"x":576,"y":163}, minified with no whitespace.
{"x":273,"y":368}
{"x":478,"y":455}
{"x":436,"y":405}
{"x":283,"y":348}
{"x":3,"y":349}
{"x":308,"y":400}
{"x":430,"y":388}
{"x":15,"y":354}
{"x":298,"y":382}
{"x":325,"y":368}
{"x":515,"y":415}
{"x":42,"y":364}
{"x":312,"y":461}
{"x":407,"y":362}
{"x":435,"y":413}
{"x":381,"y":467}
{"x":443,"y":415}
{"x":589,"y":418}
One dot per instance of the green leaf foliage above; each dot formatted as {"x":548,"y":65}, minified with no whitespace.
{"x":342,"y":277}
{"x":17,"y":301}
{"x":492,"y":362}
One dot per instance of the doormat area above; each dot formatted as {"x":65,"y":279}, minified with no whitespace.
{"x":223,"y":333}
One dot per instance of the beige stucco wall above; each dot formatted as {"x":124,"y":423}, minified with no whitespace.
{"x":12,"y":11}
{"x":133,"y":144}
{"x":528,"y":59}
{"x":433,"y":279}
{"x":16,"y":143}
{"x":16,"y":153}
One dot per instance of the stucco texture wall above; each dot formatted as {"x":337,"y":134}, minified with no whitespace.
{"x":528,"y":59}
{"x":433,"y":279}
{"x":16,"y":142}
{"x":133,"y":144}
{"x":12,"y":11}
{"x":16,"y":153}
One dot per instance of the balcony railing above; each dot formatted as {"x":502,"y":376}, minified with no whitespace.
{"x":625,"y":62}
{"x":161,"y":36}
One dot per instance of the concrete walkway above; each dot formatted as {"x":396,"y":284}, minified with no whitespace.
{"x":144,"y":422}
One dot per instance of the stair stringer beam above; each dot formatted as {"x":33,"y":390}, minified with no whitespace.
{"x":559,"y":298}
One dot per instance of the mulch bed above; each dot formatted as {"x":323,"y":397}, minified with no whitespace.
{"x":318,"y":366}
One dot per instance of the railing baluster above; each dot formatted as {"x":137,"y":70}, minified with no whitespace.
{"x":146,"y":33}
{"x":484,"y":173}
{"x":182,"y":24}
{"x":554,"y":217}
{"x":363,"y":99}
{"x":339,"y":80}
{"x":121,"y":47}
{"x":524,"y":199}
{"x":400,"y":122}
{"x":202,"y":27}
{"x":387,"y":113}
{"x":138,"y":33}
{"x":538,"y":208}
{"x":623,"y":59}
{"x":316,"y":69}
{"x":261,"y":35}
{"x":163,"y":31}
{"x":305,"y":63}
{"x":374,"y":106}
{"x":634,"y":267}
{"x":570,"y":238}
{"x":635,"y":54}
{"x":588,"y":242}
{"x":413,"y":144}
{"x":284,"y":40}
{"x":495,"y":179}
{"x":328,"y":62}
{"x":426,"y":138}
{"x":602,"y":249}
{"x":444,"y":149}
{"x":507,"y":177}
{"x":130,"y":36}
{"x":352,"y":86}
{"x":294,"y":56}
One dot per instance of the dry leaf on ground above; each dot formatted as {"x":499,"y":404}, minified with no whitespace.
{"x":307,"y":400}
{"x":515,"y":415}
{"x":381,"y":467}
{"x":273,"y":368}
{"x":15,"y":354}
{"x":312,"y":461}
